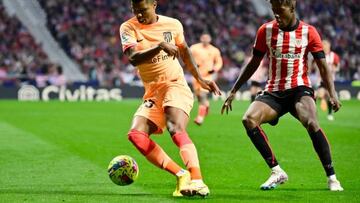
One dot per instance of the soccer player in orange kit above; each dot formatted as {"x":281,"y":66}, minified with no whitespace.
{"x":153,"y":43}
{"x":208,"y":58}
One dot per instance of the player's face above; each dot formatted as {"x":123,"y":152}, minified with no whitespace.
{"x":144,"y":11}
{"x":205,"y":39}
{"x":284,"y":14}
{"x":326,"y":46}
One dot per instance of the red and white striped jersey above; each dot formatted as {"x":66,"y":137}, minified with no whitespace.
{"x":333,"y":62}
{"x":287,"y":52}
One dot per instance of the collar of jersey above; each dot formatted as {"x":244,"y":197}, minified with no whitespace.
{"x":292,"y":28}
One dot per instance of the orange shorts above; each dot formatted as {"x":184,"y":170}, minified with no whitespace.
{"x":159,"y":95}
{"x":197,"y":87}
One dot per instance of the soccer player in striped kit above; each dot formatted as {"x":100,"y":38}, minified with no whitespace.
{"x":333,"y":62}
{"x":287,"y":42}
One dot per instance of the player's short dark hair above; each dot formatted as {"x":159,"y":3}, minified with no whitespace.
{"x":138,"y":1}
{"x":283,"y":2}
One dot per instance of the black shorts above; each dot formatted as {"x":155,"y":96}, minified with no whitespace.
{"x":284,"y":101}
{"x":322,"y":85}
{"x":255,"y":83}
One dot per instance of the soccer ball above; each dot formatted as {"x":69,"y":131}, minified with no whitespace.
{"x":123,"y":170}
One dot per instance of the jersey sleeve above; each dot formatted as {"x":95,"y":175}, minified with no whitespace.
{"x":179,"y":38}
{"x":336,"y":59}
{"x":315,"y":44}
{"x":218,"y":60}
{"x":127,"y":36}
{"x":260,"y":41}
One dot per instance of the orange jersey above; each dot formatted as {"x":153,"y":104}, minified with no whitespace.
{"x":207,"y":58}
{"x":161,"y":67}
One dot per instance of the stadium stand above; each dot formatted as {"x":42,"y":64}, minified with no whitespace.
{"x":88,"y":32}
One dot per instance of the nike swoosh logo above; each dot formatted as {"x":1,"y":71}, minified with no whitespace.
{"x":139,"y":40}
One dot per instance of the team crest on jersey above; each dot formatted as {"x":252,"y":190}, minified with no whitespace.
{"x":167,"y":36}
{"x":298,"y":43}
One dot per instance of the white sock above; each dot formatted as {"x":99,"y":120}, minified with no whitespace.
{"x":180,"y":173}
{"x":197,"y":181}
{"x":332,"y":177}
{"x":276,"y":168}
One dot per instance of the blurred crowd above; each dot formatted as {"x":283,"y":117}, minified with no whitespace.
{"x":88,"y":31}
{"x":22,"y":61}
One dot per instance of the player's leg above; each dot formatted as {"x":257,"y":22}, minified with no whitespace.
{"x":176,"y":122}
{"x":204,"y":105}
{"x":257,"y":114}
{"x":330,"y":115}
{"x":306,"y":113}
{"x":321,"y":94}
{"x":139,"y":134}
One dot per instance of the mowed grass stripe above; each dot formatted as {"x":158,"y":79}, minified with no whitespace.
{"x":34,"y":170}
{"x":96,"y":132}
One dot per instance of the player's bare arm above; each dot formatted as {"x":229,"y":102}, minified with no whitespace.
{"x":218,"y":63}
{"x":190,"y":64}
{"x":245,"y":74}
{"x":328,"y":82}
{"x":139,"y":57}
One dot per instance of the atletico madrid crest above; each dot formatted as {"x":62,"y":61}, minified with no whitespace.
{"x":167,"y":36}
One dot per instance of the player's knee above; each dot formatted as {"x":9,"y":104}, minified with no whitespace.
{"x":141,"y":141}
{"x":174,"y":127}
{"x":249,"y":122}
{"x":311,"y":125}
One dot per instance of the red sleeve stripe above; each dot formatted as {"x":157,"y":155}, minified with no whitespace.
{"x":125,"y":47}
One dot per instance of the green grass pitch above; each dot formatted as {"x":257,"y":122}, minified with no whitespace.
{"x":59,"y":152}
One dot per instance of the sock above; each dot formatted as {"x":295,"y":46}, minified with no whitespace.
{"x":260,"y":140}
{"x":329,"y":106}
{"x":332,"y":177}
{"x":322,"y":148}
{"x":276,"y":168}
{"x":202,"y":112}
{"x":153,"y":152}
{"x":180,"y":173}
{"x":188,"y":154}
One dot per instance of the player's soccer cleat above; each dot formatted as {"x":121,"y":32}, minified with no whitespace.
{"x":330,"y":117}
{"x":276,"y":178}
{"x":182,"y":182}
{"x":334,"y":185}
{"x":197,"y":187}
{"x":199,"y":121}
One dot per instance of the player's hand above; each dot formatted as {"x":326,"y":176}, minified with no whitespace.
{"x":170,"y":49}
{"x":335,"y":103}
{"x":211,"y":86}
{"x":227,"y":104}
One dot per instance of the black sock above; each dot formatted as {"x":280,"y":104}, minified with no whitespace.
{"x":260,"y":141}
{"x":329,"y":107}
{"x":322,"y":148}
{"x":253,"y":98}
